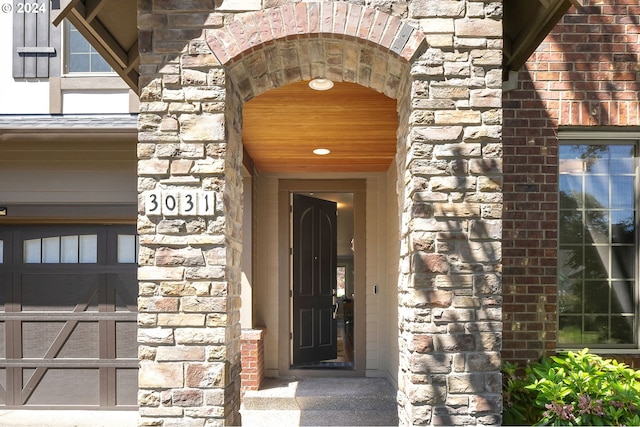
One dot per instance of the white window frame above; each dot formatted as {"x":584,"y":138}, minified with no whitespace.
{"x":582,"y":136}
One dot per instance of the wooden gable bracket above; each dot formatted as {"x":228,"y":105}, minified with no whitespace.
{"x":92,"y":19}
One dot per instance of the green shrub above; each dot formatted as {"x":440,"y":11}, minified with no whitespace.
{"x":572,"y":389}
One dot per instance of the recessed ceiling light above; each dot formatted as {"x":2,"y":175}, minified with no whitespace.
{"x":320,"y":84}
{"x":321,"y":151}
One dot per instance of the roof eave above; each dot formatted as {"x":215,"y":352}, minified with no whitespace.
{"x":532,"y":27}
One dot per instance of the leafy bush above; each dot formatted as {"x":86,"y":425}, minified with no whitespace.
{"x":572,"y":389}
{"x":517,"y":400}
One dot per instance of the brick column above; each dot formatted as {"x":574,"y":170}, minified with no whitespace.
{"x":450,"y":196}
{"x":189,"y":223}
{"x":252,"y":347}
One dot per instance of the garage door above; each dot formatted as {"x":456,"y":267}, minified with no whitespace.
{"x":68,"y":316}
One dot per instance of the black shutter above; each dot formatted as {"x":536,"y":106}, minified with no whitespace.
{"x":35,"y":40}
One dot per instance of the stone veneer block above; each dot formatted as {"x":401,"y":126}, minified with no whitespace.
{"x":165,"y":375}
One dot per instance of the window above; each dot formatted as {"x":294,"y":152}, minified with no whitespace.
{"x":80,"y":249}
{"x":127,"y":248}
{"x":81,"y":57}
{"x":597,"y":267}
{"x":341,"y":278}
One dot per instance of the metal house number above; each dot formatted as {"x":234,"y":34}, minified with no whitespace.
{"x":176,"y":203}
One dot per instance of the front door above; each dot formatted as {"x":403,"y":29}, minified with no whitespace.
{"x":314,"y":279}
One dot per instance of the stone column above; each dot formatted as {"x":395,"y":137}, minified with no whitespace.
{"x":189,"y":223}
{"x":451,"y":201}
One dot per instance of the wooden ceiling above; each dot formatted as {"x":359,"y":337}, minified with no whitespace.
{"x":282,"y":127}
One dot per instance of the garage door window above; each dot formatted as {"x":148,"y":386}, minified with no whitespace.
{"x":1,"y":252}
{"x":79,"y":249}
{"x":127,"y":248}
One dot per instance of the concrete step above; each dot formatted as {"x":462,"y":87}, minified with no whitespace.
{"x":318,"y":418}
{"x":321,"y":401}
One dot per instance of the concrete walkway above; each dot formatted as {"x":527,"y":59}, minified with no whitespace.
{"x":54,"y":418}
{"x":321,"y":402}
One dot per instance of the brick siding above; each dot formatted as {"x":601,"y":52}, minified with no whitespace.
{"x":252,"y":355}
{"x":585,"y":73}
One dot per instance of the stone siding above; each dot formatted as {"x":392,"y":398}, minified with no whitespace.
{"x":189,"y":140}
{"x":451,"y":203}
{"x":441,"y":60}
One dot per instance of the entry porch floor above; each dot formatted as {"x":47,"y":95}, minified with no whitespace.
{"x":321,"y":402}
{"x":281,"y":402}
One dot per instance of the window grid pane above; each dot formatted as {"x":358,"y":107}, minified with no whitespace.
{"x":98,"y":63}
{"x":597,"y":246}
{"x":81,"y":56}
{"x":51,"y":250}
{"x":70,"y":249}
{"x":32,"y":251}
{"x":127,"y":249}
{"x":89,"y":249}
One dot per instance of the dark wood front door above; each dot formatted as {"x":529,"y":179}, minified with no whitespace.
{"x":314,"y":279}
{"x":68,"y":316}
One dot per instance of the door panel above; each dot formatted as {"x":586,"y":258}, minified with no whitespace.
{"x":126,"y":386}
{"x":82,"y":386}
{"x":44,"y":292}
{"x":305,"y":325}
{"x":69,"y":320}
{"x":326,"y":335}
{"x":314,"y":279}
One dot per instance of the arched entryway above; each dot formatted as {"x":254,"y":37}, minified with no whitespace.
{"x":272,"y":61}
{"x":442,"y":193}
{"x":281,"y":129}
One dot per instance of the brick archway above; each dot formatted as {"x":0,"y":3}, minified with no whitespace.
{"x":343,"y":42}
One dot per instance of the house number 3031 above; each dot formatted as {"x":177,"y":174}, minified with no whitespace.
{"x":31,"y":7}
{"x":180,"y":203}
